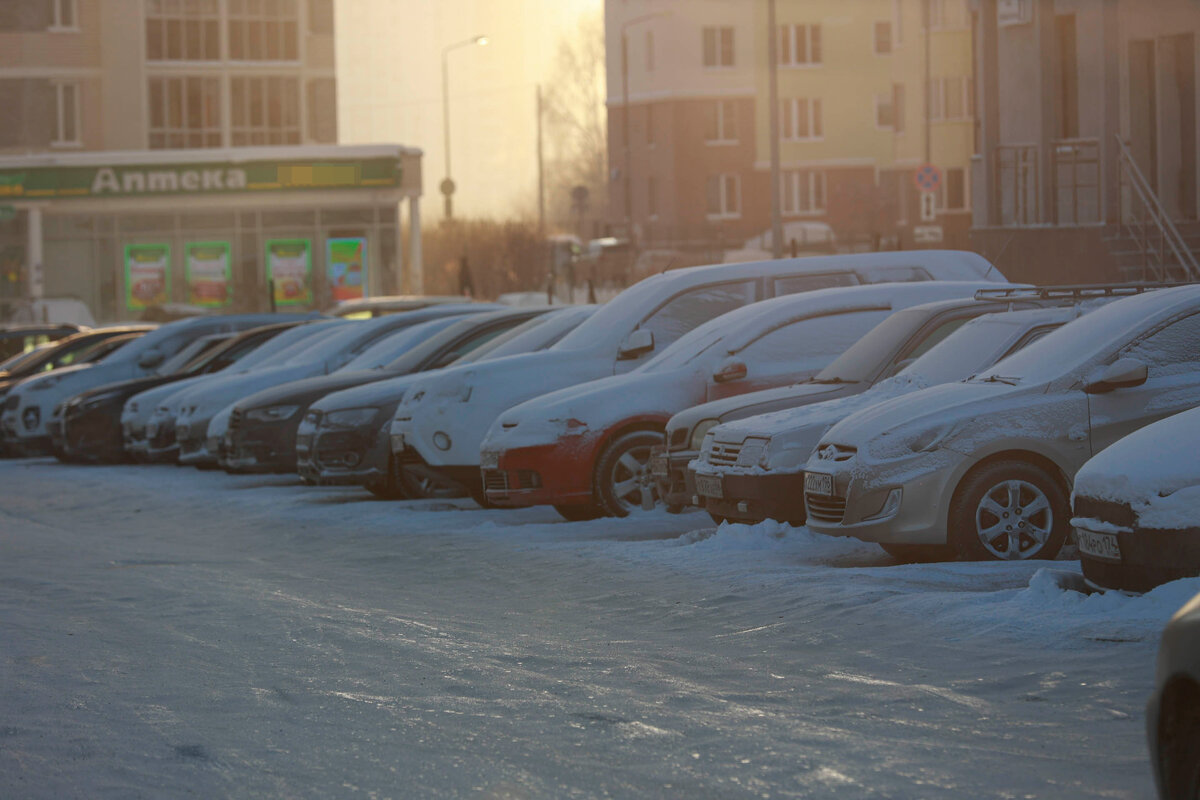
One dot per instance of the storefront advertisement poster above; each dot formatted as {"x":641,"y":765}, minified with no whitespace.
{"x":209,"y":274}
{"x":147,"y":275}
{"x":346,"y":268}
{"x":289,"y":265}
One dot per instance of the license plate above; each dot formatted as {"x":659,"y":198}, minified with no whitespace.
{"x":658,"y":466}
{"x":818,"y":483}
{"x":1099,"y":545}
{"x":489,"y":459}
{"x":710,"y":486}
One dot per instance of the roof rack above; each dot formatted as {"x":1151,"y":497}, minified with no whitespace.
{"x":1078,"y":291}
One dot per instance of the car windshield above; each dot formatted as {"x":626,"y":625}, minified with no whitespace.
{"x":864,"y":358}
{"x":974,"y":346}
{"x":325,"y":346}
{"x":181,"y":359}
{"x":286,"y":344}
{"x":487,"y":349}
{"x":26,"y":357}
{"x":539,"y":333}
{"x":397,"y":344}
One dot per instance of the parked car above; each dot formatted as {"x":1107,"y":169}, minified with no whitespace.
{"x":729,"y":490}
{"x":89,"y":424}
{"x":262,"y":426}
{"x":78,"y":348}
{"x":586,"y":449}
{"x":17,"y":338}
{"x":344,"y":437}
{"x":640,"y":323}
{"x":148,"y":421}
{"x":1137,"y":507}
{"x":985,"y":466}
{"x":30,"y":403}
{"x":1173,"y":713}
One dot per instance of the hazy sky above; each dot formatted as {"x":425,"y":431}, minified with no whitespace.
{"x":390,"y":89}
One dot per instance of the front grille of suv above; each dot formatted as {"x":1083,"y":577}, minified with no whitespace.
{"x":825,"y":509}
{"x":724,"y":455}
{"x":495,"y":480}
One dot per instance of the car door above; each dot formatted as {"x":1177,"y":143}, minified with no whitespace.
{"x":1172,"y":358}
{"x":789,"y":353}
{"x":684,"y":312}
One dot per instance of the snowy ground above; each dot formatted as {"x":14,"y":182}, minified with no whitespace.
{"x":166,"y":632}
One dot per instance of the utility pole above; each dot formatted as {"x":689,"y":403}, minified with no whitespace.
{"x":447,"y":185}
{"x":540,"y":168}
{"x":773,"y":117}
{"x":625,"y":133}
{"x":928,"y":82}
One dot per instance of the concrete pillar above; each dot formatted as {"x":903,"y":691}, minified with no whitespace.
{"x":989,"y":106}
{"x":1110,"y":164}
{"x":416,"y":270}
{"x":33,"y":253}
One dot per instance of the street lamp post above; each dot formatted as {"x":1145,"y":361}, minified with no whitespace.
{"x":447,"y":186}
{"x":625,"y":26}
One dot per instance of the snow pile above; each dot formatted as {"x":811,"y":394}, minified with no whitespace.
{"x":772,"y":537}
{"x":1156,"y":460}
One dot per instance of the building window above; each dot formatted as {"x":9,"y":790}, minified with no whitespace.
{"x":320,"y":17}
{"x":650,"y":125}
{"x":947,"y":15}
{"x":885,"y":112}
{"x":803,"y":192}
{"x":264,"y":30}
{"x":721,"y":126}
{"x":66,"y":114}
{"x":652,"y":197}
{"x":65,"y":15}
{"x":183,"y":31}
{"x":883,"y":38}
{"x":954,"y":189}
{"x":800,"y":119}
{"x":718,"y":47}
{"x":799,"y":45}
{"x":649,"y":51}
{"x":185,"y":112}
{"x":322,"y":110}
{"x":951,"y":99}
{"x":898,"y":107}
{"x":266,"y":110}
{"x":724,"y":196}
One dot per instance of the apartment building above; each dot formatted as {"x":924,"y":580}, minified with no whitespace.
{"x":868,"y":93}
{"x":184,"y":151}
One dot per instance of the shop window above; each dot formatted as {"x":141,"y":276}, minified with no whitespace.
{"x":182,"y":30}
{"x":322,"y":110}
{"x":264,"y":30}
{"x":185,"y":112}
{"x":266,"y":110}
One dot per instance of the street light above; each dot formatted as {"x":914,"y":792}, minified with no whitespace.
{"x":625,"y":26}
{"x":447,"y":186}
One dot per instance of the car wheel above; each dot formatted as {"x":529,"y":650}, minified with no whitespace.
{"x":579,"y":513}
{"x":919,"y":553}
{"x":1178,"y":751}
{"x":388,"y":488}
{"x":623,"y":473}
{"x":1009,"y":510}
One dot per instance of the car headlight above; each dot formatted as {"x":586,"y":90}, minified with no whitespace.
{"x":753,"y":452}
{"x":349,"y":417}
{"x":271,"y":413}
{"x":700,"y":431}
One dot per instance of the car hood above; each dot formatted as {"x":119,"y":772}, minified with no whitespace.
{"x":306,"y":391}
{"x":754,"y":403}
{"x":150,"y":399}
{"x":372,"y":395}
{"x":211,"y":396}
{"x":1152,"y":463}
{"x":507,"y":381}
{"x":132,"y":387}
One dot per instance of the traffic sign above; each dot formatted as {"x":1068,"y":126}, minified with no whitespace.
{"x":928,"y":178}
{"x":928,"y":206}
{"x":927,"y":234}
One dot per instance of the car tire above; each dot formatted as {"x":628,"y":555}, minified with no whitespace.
{"x":1008,"y":510}
{"x":1178,"y":741}
{"x":579,"y":513}
{"x":623,"y":473}
{"x":389,"y":487}
{"x":919,"y":553}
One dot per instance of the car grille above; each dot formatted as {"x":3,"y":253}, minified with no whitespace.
{"x":495,"y":480}
{"x":825,"y":509}
{"x":725,"y":455}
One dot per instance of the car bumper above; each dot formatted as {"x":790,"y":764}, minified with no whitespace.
{"x":91,"y":435}
{"x":671,"y":476}
{"x":340,"y":457}
{"x":1148,"y":558}
{"x":754,"y":498}
{"x":537,"y":476}
{"x":273,"y":452}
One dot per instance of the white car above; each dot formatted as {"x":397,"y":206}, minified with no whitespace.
{"x":631,"y":329}
{"x":1137,"y":507}
{"x":29,"y":404}
{"x":732,"y":485}
{"x":984,"y":467}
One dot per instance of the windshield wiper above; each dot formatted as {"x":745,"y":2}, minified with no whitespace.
{"x":830,"y":380}
{"x":1000,"y":379}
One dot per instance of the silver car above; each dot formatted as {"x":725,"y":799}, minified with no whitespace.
{"x":983,"y":468}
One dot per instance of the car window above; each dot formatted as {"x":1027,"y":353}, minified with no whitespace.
{"x":478,"y":339}
{"x":812,"y":343}
{"x":688,"y":310}
{"x":794,"y":284}
{"x":1176,"y":345}
{"x":934,"y":336}
{"x":895,"y":274}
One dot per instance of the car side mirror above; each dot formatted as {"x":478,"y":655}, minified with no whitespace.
{"x":730,"y":371}
{"x":150,"y":359}
{"x":1121,"y":374}
{"x":636,"y":343}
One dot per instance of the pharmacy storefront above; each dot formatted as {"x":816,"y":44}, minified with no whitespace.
{"x":238,"y":229}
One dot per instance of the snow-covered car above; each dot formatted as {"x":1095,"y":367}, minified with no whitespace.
{"x":730,"y":490}
{"x":78,"y":348}
{"x":89,"y":424}
{"x":262,"y":427}
{"x":1173,"y":712}
{"x":204,"y":411}
{"x":345,"y":436}
{"x":984,"y":467}
{"x":1137,"y":507}
{"x":29,"y":404}
{"x":586,"y":449}
{"x":148,"y":420}
{"x":634,"y":327}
